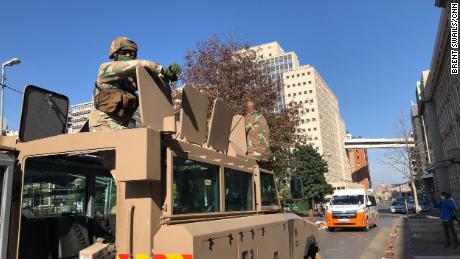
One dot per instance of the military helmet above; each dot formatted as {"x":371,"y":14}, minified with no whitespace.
{"x":121,"y":43}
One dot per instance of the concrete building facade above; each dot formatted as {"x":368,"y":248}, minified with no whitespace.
{"x":321,"y":122}
{"x":440,"y":106}
{"x":275,"y":61}
{"x":359,"y":166}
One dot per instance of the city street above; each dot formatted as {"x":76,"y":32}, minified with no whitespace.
{"x":350,"y":243}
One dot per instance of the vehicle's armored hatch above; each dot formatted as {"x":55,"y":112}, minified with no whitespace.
{"x":221,"y":123}
{"x":154,"y":103}
{"x":44,"y":114}
{"x":193,"y":115}
{"x":237,"y":140}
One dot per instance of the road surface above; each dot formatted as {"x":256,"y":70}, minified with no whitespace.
{"x":351,"y":244}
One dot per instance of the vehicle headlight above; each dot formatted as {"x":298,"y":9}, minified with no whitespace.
{"x":360,"y":210}
{"x":329,"y":211}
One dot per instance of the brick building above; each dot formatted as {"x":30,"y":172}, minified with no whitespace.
{"x":360,"y":167}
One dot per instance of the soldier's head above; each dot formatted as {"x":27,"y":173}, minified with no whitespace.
{"x":249,"y":107}
{"x":123,"y":48}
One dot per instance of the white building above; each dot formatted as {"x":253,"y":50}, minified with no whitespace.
{"x":321,"y":122}
{"x":274,"y":60}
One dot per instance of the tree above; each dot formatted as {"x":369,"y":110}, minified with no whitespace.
{"x":229,"y":71}
{"x":405,"y":158}
{"x":308,"y":165}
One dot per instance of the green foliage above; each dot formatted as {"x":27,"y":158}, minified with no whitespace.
{"x":310,"y":166}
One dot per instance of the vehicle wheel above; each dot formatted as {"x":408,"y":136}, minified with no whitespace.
{"x":313,"y":253}
{"x":331,"y":229}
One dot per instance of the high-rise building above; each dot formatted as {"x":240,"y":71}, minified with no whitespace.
{"x":439,"y":105}
{"x":275,"y":61}
{"x":359,"y":166}
{"x":78,"y":115}
{"x":321,"y":122}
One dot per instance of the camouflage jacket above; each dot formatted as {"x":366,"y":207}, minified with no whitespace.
{"x":122,"y":74}
{"x":257,"y":135}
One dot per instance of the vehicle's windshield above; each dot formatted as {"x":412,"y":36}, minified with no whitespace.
{"x":396,"y":203}
{"x":347,"y":200}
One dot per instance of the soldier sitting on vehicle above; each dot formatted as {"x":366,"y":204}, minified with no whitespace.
{"x":115,"y":97}
{"x":257,"y":135}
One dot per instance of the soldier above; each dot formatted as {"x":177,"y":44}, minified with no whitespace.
{"x":115,"y":97}
{"x":257,"y":135}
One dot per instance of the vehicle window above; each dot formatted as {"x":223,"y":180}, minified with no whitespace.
{"x":372,"y":200}
{"x":268,"y":188}
{"x":195,"y":187}
{"x":238,"y":190}
{"x":347,"y":200}
{"x":48,"y":194}
{"x":2,"y":174}
{"x":396,"y":203}
{"x":105,"y":195}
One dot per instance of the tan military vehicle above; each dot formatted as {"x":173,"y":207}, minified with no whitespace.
{"x":164,"y":190}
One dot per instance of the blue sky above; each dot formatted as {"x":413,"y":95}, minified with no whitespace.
{"x":370,"y":52}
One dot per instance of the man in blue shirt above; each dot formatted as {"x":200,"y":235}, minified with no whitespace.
{"x":447,"y":214}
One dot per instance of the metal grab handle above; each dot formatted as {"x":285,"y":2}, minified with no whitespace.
{"x":131,"y":231}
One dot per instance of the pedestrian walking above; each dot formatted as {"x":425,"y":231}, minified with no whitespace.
{"x":455,"y":208}
{"x":447,"y":212}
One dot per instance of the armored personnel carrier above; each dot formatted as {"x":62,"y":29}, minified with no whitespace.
{"x":165,"y":190}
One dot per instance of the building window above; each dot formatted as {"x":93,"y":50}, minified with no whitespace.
{"x":303,"y":74}
{"x":289,"y":95}
{"x":307,"y":110}
{"x":300,"y":102}
{"x":304,"y":83}
{"x":316,"y":138}
{"x":309,"y":82}
{"x":311,"y":91}
{"x":314,"y":119}
{"x":314,"y":128}
{"x":312,"y":109}
{"x":300,"y":93}
{"x":298,"y":75}
{"x":287,"y":77}
{"x":308,"y":73}
{"x":298,"y":84}
{"x":309,"y":129}
{"x":308,"y":120}
{"x":294,"y":94}
{"x":305,"y":92}
{"x":269,"y":54}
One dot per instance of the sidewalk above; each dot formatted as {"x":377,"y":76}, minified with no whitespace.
{"x":422,"y":237}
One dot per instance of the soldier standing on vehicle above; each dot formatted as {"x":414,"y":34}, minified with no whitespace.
{"x":115,"y":98}
{"x":257,"y":135}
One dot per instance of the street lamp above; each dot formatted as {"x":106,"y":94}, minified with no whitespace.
{"x":8,"y":63}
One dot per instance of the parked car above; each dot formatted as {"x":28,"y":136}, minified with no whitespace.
{"x":398,"y":207}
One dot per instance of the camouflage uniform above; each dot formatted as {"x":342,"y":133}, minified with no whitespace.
{"x":257,"y":135}
{"x":117,"y":74}
{"x":121,"y":74}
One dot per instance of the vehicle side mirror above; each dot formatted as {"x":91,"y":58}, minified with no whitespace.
{"x":297,"y":189}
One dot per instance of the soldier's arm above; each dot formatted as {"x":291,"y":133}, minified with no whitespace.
{"x":118,"y":70}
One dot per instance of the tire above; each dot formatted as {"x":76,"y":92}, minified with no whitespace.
{"x":331,"y":229}
{"x":313,"y":253}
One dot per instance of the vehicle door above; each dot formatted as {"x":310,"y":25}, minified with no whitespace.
{"x":372,"y":209}
{"x":6,"y":186}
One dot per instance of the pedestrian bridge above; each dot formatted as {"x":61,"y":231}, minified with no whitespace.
{"x":378,"y":143}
